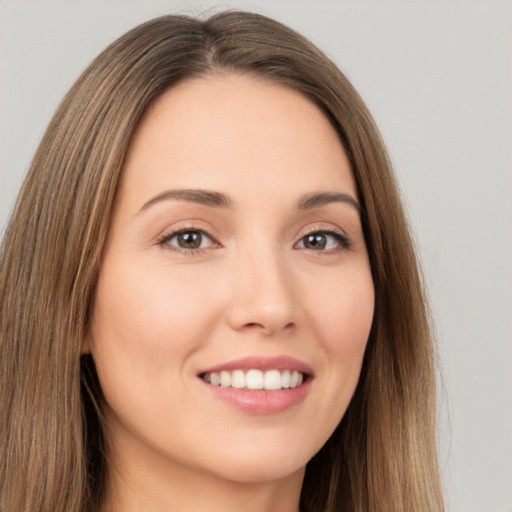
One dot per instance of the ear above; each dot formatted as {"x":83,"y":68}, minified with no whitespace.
{"x":87,"y":344}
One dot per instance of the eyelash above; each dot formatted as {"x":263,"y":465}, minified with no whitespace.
{"x":164,"y":239}
{"x":342,"y":240}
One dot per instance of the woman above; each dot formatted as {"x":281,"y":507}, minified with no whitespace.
{"x":210,"y":297}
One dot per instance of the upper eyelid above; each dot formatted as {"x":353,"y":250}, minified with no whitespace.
{"x":332,"y":230}
{"x":337,"y":233}
{"x":166,"y":236}
{"x":324,"y":228}
{"x":191,"y":225}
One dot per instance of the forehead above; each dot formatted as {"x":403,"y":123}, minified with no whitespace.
{"x":237,"y":134}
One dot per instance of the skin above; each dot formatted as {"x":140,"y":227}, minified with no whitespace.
{"x":254,"y":287}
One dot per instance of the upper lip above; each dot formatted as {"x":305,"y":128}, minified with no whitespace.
{"x":262,"y":363}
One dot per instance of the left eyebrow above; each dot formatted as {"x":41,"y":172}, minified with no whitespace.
{"x":317,"y":199}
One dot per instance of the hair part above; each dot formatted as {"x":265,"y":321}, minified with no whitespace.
{"x":381,"y":457}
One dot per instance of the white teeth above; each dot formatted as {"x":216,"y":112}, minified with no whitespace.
{"x":254,"y":379}
{"x":271,"y":380}
{"x":225,"y":379}
{"x":285,"y":379}
{"x":238,"y":379}
{"x":294,"y":379}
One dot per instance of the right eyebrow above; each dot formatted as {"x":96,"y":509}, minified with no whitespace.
{"x":200,"y":196}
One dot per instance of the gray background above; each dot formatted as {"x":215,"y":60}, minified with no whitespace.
{"x":438,"y":78}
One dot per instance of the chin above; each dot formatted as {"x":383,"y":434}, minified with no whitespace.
{"x":270,"y":471}
{"x":263,"y":464}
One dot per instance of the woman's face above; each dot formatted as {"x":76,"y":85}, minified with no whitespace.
{"x":235,"y":254}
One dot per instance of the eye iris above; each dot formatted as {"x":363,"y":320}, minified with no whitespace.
{"x":315,"y":241}
{"x":190,"y":239}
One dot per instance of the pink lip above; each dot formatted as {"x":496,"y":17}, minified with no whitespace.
{"x":262,"y":363}
{"x":261,"y":402}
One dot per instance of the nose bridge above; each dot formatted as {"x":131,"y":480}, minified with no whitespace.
{"x":263,"y":296}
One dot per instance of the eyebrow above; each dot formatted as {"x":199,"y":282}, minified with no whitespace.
{"x":205,"y":197}
{"x":220,"y":200}
{"x":317,"y":199}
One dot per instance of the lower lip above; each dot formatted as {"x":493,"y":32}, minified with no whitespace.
{"x":261,"y":401}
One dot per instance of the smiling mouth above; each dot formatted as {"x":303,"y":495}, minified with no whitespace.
{"x":254,"y":379}
{"x":260,"y":385}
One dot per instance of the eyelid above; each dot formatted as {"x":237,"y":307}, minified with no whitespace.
{"x":171,"y":233}
{"x":341,"y":237}
{"x":339,"y":234}
{"x":190,"y":224}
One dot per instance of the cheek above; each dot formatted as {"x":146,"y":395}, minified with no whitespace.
{"x":342,"y":317}
{"x":147,"y":321}
{"x":343,"y":312}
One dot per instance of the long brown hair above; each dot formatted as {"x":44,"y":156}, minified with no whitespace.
{"x":382,"y":456}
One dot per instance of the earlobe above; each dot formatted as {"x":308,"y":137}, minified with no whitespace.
{"x":86,"y":345}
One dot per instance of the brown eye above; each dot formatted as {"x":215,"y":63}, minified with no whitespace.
{"x":317,"y":241}
{"x":190,"y":239}
{"x":324,"y":241}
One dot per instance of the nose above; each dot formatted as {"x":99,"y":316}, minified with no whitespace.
{"x":263,"y":298}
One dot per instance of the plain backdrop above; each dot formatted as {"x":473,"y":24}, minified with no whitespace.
{"x":437,"y":77}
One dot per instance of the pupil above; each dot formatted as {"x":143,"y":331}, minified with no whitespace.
{"x":189,"y":239}
{"x":315,"y":241}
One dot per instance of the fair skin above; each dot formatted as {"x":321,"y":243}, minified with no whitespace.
{"x":264,"y":267}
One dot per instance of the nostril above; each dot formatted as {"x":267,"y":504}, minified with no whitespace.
{"x":268,"y":328}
